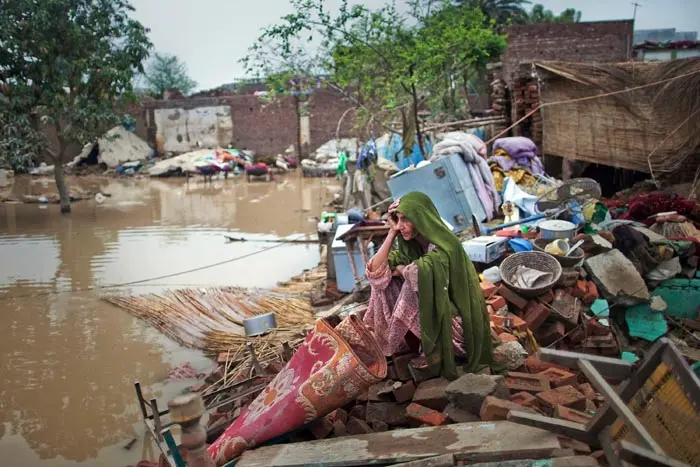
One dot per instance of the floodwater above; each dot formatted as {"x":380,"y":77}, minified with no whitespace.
{"x":68,"y":360}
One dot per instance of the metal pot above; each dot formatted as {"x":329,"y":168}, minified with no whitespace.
{"x":555,"y":229}
{"x":259,"y":325}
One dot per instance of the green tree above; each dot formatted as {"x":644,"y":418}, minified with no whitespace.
{"x":165,"y":72}
{"x":383,"y":60}
{"x":69,"y":65}
{"x":539,"y":14}
{"x":502,"y":12}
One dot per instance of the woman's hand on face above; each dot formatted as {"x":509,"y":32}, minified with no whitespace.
{"x":392,"y":213}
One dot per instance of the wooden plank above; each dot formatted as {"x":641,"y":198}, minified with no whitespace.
{"x":557,"y":426}
{"x":483,"y":440}
{"x":639,"y":456}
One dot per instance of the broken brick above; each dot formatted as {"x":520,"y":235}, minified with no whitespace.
{"x":587,"y":390}
{"x":594,"y":328}
{"x":576,"y":336}
{"x":547,"y":297}
{"x":568,"y":396}
{"x":459,"y":415}
{"x":379,"y":427}
{"x":603,"y":345}
{"x":507,"y":337}
{"x":358,"y":411}
{"x":580,"y":289}
{"x":535,"y":365}
{"x":591,"y":294}
{"x":590,"y":406}
{"x":487,"y":288}
{"x":494,"y":408}
{"x":404,"y":391}
{"x":509,"y":322}
{"x":572,"y":415}
{"x":339,"y":428}
{"x":566,"y":308}
{"x":321,"y":428}
{"x":391,"y":413}
{"x":568,"y":278}
{"x":512,"y":297}
{"x":496,"y":302}
{"x":431,"y":393}
{"x":381,"y":391}
{"x":425,"y":415}
{"x":550,"y":334}
{"x":391,"y":373}
{"x":558,"y":377}
{"x":355,"y":426}
{"x":337,"y":415}
{"x":517,"y":382}
{"x":401,"y":366}
{"x":525,"y":399}
{"x":418,"y":367}
{"x":535,"y":314}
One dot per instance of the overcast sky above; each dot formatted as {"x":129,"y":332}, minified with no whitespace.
{"x":212,"y":35}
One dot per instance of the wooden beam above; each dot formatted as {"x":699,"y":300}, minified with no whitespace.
{"x":614,"y":368}
{"x":573,"y":430}
{"x":483,"y":440}
{"x":619,"y":406}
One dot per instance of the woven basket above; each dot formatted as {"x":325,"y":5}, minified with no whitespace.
{"x":533,"y":259}
{"x":565,"y":261}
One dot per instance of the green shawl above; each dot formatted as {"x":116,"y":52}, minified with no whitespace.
{"x":447,"y":285}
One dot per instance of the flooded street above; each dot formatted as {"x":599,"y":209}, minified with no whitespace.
{"x":68,"y":360}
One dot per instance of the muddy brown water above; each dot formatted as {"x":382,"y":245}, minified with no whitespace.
{"x":68,"y":360}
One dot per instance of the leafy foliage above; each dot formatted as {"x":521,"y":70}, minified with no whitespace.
{"x":540,"y":15}
{"x":501,"y":12}
{"x":72,"y":62}
{"x":164,"y":72}
{"x":383,"y":60}
{"x":19,"y":143}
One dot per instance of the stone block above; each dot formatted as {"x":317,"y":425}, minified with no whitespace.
{"x":494,"y":409}
{"x":379,"y":427}
{"x":516,"y":382}
{"x":469,"y":391}
{"x":425,"y":415}
{"x":617,"y":275}
{"x":566,"y":308}
{"x":568,"y":396}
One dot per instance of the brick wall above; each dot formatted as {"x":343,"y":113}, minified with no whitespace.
{"x":326,"y":107}
{"x":268,"y":128}
{"x":602,"y":41}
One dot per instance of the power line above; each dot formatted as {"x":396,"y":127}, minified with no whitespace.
{"x":636,"y":5}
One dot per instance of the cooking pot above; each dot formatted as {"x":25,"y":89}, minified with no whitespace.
{"x":258,"y":325}
{"x":554,"y":229}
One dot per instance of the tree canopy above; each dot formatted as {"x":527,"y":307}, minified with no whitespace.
{"x":165,"y":72}
{"x":384,"y":60}
{"x":500,"y":12}
{"x":68,"y":65}
{"x":539,"y":14}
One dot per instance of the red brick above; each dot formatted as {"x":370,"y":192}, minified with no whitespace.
{"x":512,"y":297}
{"x":494,"y":408}
{"x":568,"y":278}
{"x":587,"y":390}
{"x":425,"y":415}
{"x":355,"y":426}
{"x":603,"y":345}
{"x":550,"y":334}
{"x":576,"y":336}
{"x":321,"y":428}
{"x":404,"y":391}
{"x":431,"y":393}
{"x":535,"y":365}
{"x":401,"y":366}
{"x":591,"y":294}
{"x":594,"y":328}
{"x":572,"y":415}
{"x":496,"y":302}
{"x":509,"y":322}
{"x":507,"y":337}
{"x":525,"y":399}
{"x":581,"y":289}
{"x":558,"y":377}
{"x":567,"y":396}
{"x":338,"y":415}
{"x":516,"y":382}
{"x":535,"y":314}
{"x":488,"y":288}
{"x":547,"y":297}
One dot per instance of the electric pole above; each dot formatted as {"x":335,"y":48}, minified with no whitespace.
{"x":634,"y":15}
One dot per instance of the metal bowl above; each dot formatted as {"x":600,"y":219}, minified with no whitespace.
{"x":259,"y":325}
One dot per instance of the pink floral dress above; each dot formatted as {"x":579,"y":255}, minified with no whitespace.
{"x":393,"y":309}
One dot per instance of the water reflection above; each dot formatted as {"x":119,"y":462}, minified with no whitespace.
{"x":68,"y":360}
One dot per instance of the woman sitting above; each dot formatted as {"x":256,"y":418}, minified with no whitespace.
{"x":428,"y":288}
